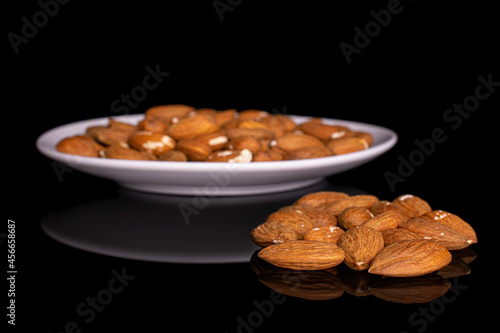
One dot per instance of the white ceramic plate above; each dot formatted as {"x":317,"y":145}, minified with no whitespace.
{"x":214,"y":178}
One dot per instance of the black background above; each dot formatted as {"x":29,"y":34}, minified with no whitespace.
{"x":282,"y":56}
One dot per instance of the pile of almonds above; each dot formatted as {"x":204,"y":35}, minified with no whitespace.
{"x":183,"y":133}
{"x":404,"y":237}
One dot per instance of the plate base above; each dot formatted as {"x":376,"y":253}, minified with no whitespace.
{"x":211,"y":191}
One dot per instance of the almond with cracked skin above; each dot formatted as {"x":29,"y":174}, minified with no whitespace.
{"x":325,"y":233}
{"x":407,"y":258}
{"x":321,"y":199}
{"x":309,"y":152}
{"x":347,"y":145}
{"x":192,"y":126}
{"x":151,"y":142}
{"x":269,"y":233}
{"x":453,"y":221}
{"x":395,"y":235}
{"x":81,"y":145}
{"x":385,"y":205}
{"x":303,"y":255}
{"x":361,"y":245}
{"x":231,"y":156}
{"x":296,"y":220}
{"x":433,"y":230}
{"x":360,"y":200}
{"x":354,"y":216}
{"x":412,"y":205}
{"x":384,"y":221}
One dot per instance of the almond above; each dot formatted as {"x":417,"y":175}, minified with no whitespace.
{"x":453,"y":221}
{"x":361,"y":245}
{"x":269,"y":233}
{"x":291,"y":141}
{"x":267,"y":156}
{"x":297,"y":220}
{"x":215,"y":140}
{"x":224,"y":116}
{"x":354,"y":216}
{"x":195,"y":150}
{"x":123,"y":151}
{"x":361,"y":200}
{"x":443,"y":234}
{"x":309,"y":152}
{"x":384,"y":206}
{"x":80,"y":145}
{"x":323,"y":131}
{"x":192,"y":126}
{"x":412,"y":205}
{"x":325,"y":233}
{"x":165,"y":113}
{"x":346,"y":145}
{"x":303,"y":255}
{"x":259,"y":133}
{"x":151,"y":142}
{"x":321,"y":199}
{"x":245,"y":142}
{"x":253,"y":114}
{"x":107,"y":135}
{"x":384,"y":221}
{"x":231,"y":156}
{"x":319,"y":217}
{"x":173,"y":155}
{"x":395,"y":235}
{"x":407,"y":258}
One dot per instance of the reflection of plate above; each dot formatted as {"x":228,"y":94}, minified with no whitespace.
{"x":166,"y":228}
{"x":214,"y":178}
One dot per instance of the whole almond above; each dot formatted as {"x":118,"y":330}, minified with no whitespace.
{"x":79,"y":145}
{"x":354,"y":216}
{"x":173,"y":155}
{"x":309,"y":152}
{"x":245,"y":142}
{"x":292,"y":141}
{"x":361,"y":200}
{"x":361,"y":245}
{"x":259,"y":133}
{"x":321,"y":199}
{"x":195,"y":150}
{"x":443,"y":234}
{"x":267,"y":156}
{"x":453,"y":221}
{"x":297,"y":220}
{"x":395,"y":235}
{"x":325,"y":233}
{"x":384,"y":221}
{"x":123,"y":151}
{"x":412,"y":205}
{"x":151,"y":142}
{"x":346,"y":145}
{"x":231,"y":156}
{"x":407,"y":258}
{"x":269,"y":233}
{"x":323,"y":131}
{"x":385,"y":205}
{"x":165,"y":113}
{"x":303,"y":255}
{"x":107,"y":135}
{"x":192,"y":126}
{"x":319,"y":217}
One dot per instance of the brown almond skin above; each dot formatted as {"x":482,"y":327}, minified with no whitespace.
{"x":269,"y":233}
{"x":192,"y":126}
{"x":429,"y":229}
{"x":291,"y":141}
{"x":318,"y":217}
{"x":151,"y":142}
{"x":453,"y":221}
{"x":385,"y":205}
{"x":303,"y":255}
{"x":384,"y":221}
{"x":414,"y":257}
{"x":361,"y":245}
{"x":298,"y":221}
{"x":322,"y":131}
{"x":361,"y":200}
{"x":325,"y":233}
{"x":174,"y":156}
{"x":354,"y":216}
{"x":321,"y":199}
{"x":244,"y":142}
{"x":107,"y":135}
{"x":395,"y":235}
{"x":259,"y":133}
{"x":165,"y":113}
{"x":347,"y":145}
{"x":267,"y":156}
{"x":412,"y":205}
{"x":194,"y":150}
{"x":120,"y":151}
{"x":309,"y":152}
{"x":80,"y":145}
